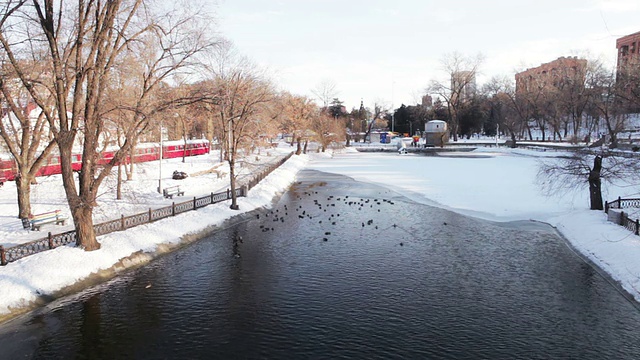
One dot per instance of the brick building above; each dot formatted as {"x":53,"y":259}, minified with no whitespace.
{"x":628,"y":49}
{"x":551,"y":74}
{"x":628,"y":71}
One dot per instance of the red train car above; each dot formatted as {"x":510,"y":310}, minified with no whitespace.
{"x":7,"y":169}
{"x":143,"y":152}
{"x":178,"y":148}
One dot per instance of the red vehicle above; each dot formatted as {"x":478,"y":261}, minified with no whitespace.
{"x":143,"y":153}
{"x":178,"y":148}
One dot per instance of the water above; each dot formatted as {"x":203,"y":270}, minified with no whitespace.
{"x":341,"y":269}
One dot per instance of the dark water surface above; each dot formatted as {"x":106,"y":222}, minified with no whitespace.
{"x":341,"y":269}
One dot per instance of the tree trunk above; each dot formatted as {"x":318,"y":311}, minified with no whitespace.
{"x":513,"y":140}
{"x":306,"y":143}
{"x":80,"y":204}
{"x":85,"y":234}
{"x":232,"y":182}
{"x":299,"y":149}
{"x":119,"y":183}
{"x":595,"y":190}
{"x":23,"y":187}
{"x":614,"y":141}
{"x":129,"y":169}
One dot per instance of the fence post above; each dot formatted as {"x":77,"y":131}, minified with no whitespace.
{"x":228,"y":194}
{"x":122,"y":222}
{"x":50,"y":240}
{"x":637,"y":227}
{"x":150,"y":212}
{"x":622,"y":215}
{"x":173,"y":208}
{"x":3,"y":256}
{"x":606,"y":207}
{"x":212,"y":198}
{"x":194,"y":203}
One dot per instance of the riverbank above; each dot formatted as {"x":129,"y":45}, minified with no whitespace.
{"x":498,"y":185}
{"x":39,"y":278}
{"x":408,"y":281}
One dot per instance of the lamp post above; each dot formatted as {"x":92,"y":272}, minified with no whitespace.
{"x":160,"y":167}
{"x":393,"y":120}
{"x":393,"y":112}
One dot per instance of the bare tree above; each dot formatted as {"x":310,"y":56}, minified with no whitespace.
{"x":377,"y":118}
{"x":240,"y":94}
{"x":587,"y":167}
{"x":24,"y":128}
{"x":573,"y":95}
{"x":459,"y":86}
{"x":327,"y":129}
{"x":605,"y":103}
{"x":510,"y":110}
{"x":326,"y":90}
{"x":297,"y":116}
{"x":85,"y":42}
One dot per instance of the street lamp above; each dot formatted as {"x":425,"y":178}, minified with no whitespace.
{"x":393,"y":120}
{"x":160,"y":167}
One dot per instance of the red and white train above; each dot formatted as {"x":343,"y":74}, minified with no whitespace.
{"x":144,"y":152}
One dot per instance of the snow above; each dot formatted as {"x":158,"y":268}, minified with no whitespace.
{"x":496,"y":184}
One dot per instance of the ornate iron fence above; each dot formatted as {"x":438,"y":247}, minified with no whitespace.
{"x":621,"y":204}
{"x":125,"y":222}
{"x":623,"y":218}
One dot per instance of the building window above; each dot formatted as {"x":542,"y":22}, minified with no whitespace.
{"x":624,"y":50}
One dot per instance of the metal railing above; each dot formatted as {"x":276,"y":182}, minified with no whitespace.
{"x":52,"y":241}
{"x":623,"y":218}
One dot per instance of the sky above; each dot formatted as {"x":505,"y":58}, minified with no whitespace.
{"x":381,"y":51}
{"x":491,"y":195}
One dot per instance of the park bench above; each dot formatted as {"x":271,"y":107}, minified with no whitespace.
{"x":169,"y":191}
{"x":36,"y":221}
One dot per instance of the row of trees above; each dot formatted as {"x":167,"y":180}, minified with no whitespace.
{"x":92,"y":74}
{"x":576,"y":105}
{"x":579,"y":106}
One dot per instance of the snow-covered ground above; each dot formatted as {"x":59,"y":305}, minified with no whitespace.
{"x":494,"y":184}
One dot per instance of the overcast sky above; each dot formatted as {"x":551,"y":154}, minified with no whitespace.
{"x":388,"y":50}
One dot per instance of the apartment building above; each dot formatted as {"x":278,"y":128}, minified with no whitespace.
{"x":551,"y":74}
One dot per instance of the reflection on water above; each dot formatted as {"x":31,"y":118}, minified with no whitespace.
{"x":341,"y":269}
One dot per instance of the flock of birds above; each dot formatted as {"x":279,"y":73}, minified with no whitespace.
{"x":325,"y":212}
{"x":329,"y":212}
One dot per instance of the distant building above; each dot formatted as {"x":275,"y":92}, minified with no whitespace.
{"x":628,"y":70}
{"x":463,"y":84}
{"x":628,"y":49}
{"x":427,"y":101}
{"x":551,"y":75}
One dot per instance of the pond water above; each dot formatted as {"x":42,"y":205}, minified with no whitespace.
{"x":342,"y":269}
